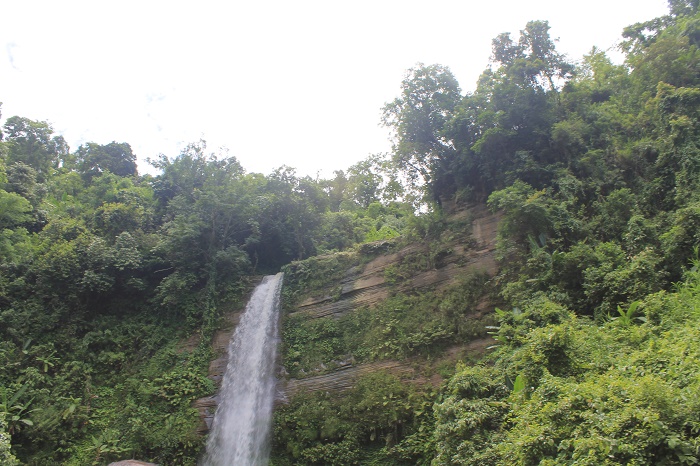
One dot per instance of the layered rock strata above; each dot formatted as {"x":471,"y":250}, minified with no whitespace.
{"x":367,"y":286}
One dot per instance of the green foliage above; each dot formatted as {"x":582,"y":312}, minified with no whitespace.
{"x":595,"y":168}
{"x":583,"y":394}
{"x":527,"y":213}
{"x":384,"y":232}
{"x":625,"y":318}
{"x":310,"y":344}
{"x":313,"y":276}
{"x":92,"y":256}
{"x":15,"y":412}
{"x":6,"y":456}
{"x":376,"y":422}
{"x":116,"y":158}
{"x":614,"y":278}
{"x":534,"y":59}
{"x":405,"y":325}
{"x":468,"y":417}
{"x":31,"y":142}
{"x":182,"y":386}
{"x":518,"y":384}
{"x":427,"y":226}
{"x":147,"y":414}
{"x":614,"y":420}
{"x":418,"y":119}
{"x":14,"y":210}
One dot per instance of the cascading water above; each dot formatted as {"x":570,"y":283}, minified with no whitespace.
{"x":241,"y":429}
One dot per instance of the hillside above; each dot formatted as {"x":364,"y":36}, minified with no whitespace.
{"x":516,"y":283}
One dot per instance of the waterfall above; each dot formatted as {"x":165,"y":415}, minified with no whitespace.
{"x":240,"y":433}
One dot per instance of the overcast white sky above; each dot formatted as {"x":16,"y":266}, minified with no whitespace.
{"x":299,"y":83}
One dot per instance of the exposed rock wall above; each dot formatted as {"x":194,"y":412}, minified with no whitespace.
{"x":368,"y":286}
{"x":345,"y":377}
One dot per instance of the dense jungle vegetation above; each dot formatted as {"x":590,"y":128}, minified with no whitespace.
{"x":105,"y":274}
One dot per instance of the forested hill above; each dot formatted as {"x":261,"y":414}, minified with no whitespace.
{"x":112,"y":283}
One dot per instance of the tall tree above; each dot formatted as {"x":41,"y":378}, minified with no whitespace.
{"x":114,"y":157}
{"x":429,"y":95}
{"x":501,"y":131}
{"x":533,"y":60}
{"x":32,"y":142}
{"x":364,"y":182}
{"x":192,"y":169}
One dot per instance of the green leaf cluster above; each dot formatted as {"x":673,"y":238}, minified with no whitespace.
{"x":565,"y":391}
{"x":373,"y":417}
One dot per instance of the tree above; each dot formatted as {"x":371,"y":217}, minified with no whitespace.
{"x":336,"y":189}
{"x":114,"y":157}
{"x":22,"y":179}
{"x":534,"y":60}
{"x":31,"y":142}
{"x":14,"y":210}
{"x":291,"y":208}
{"x":364,"y":182}
{"x":418,"y":119}
{"x":641,"y":36}
{"x":501,"y":132}
{"x":192,"y":169}
{"x":683,"y":7}
{"x":672,"y":57}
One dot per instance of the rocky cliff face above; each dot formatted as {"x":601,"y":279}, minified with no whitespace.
{"x":371,"y":283}
{"x":368,"y":285}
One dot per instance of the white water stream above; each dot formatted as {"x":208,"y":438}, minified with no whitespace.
{"x":240,"y":433}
